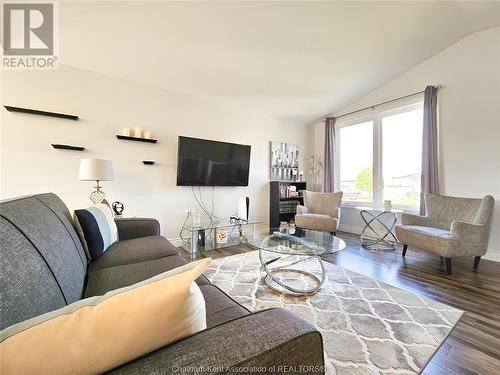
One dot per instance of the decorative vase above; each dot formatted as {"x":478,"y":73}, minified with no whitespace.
{"x":387,"y":205}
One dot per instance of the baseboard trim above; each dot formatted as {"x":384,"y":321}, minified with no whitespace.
{"x":176,"y":241}
{"x":493,"y":255}
{"x":350,"y":228}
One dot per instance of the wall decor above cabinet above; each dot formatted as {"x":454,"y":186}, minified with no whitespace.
{"x":40,"y":113}
{"x":284,"y":161}
{"x":67,"y":147}
{"x":127,"y":138}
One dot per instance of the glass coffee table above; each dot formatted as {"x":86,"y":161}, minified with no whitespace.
{"x":291,"y":259}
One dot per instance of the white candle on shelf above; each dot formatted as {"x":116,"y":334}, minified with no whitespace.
{"x":126,"y":132}
{"x":138,"y":132}
{"x":147,"y":135}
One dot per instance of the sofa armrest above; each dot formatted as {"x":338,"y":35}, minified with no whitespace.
{"x":336,"y":213}
{"x":472,"y":232}
{"x":410,"y":219}
{"x":302,"y":210}
{"x":267,"y":338}
{"x":137,"y":227}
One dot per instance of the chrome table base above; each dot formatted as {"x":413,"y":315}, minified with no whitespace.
{"x":274,"y":282}
{"x":385,"y":240}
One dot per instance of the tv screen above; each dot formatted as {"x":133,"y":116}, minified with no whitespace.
{"x":201,"y":162}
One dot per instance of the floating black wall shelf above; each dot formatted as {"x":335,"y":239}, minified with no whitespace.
{"x":41,"y":113}
{"x":148,"y":162}
{"x":67,"y":147}
{"x":127,"y":138}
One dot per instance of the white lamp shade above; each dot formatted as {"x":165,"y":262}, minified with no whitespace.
{"x":95,"y":170}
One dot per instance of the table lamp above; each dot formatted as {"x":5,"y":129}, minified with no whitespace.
{"x":96,"y":170}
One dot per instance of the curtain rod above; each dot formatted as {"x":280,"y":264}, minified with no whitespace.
{"x":379,"y":104}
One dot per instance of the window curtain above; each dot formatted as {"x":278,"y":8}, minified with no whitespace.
{"x":328,"y":183}
{"x":430,"y":176}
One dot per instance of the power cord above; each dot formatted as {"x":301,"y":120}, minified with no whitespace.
{"x":210,"y":213}
{"x":213,"y":219}
{"x":202,"y":206}
{"x":183,"y":228}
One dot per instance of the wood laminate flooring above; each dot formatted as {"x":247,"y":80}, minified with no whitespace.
{"x":473,"y":346}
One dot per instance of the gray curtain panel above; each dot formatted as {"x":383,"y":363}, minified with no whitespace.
{"x":328,"y":185}
{"x":430,"y":174}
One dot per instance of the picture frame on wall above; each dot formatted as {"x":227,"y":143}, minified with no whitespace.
{"x":284,"y":161}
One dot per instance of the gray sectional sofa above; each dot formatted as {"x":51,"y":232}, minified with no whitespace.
{"x":44,"y":267}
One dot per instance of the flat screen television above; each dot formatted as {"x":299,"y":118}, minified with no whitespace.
{"x":202,"y":162}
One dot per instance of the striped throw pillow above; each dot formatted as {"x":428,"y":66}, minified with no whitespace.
{"x":98,"y":227}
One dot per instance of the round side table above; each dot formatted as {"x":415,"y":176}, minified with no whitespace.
{"x":377,"y":234}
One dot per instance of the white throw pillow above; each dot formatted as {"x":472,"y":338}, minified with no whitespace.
{"x":100,"y":333}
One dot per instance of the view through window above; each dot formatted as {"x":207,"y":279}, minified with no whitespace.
{"x":356,"y":162}
{"x":402,"y":157}
{"x":380,"y":158}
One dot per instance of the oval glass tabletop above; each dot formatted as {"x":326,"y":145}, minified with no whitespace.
{"x":300,"y":242}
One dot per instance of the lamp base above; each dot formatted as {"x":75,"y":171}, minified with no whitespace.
{"x":97,"y":196}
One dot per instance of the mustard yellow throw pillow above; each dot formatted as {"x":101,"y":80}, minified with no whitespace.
{"x":99,"y":333}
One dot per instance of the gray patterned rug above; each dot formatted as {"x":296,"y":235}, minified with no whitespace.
{"x":368,"y":327}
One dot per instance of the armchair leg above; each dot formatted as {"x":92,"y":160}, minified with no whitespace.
{"x":448,"y":265}
{"x":476,"y":263}
{"x":405,"y":247}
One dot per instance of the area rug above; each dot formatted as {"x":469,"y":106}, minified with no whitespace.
{"x":368,"y":327}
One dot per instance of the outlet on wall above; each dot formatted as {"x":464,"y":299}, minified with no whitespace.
{"x":190,"y":211}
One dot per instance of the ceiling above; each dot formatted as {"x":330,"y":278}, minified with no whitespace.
{"x":293,"y":60}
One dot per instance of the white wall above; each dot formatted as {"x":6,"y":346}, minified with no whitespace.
{"x":105,"y":105}
{"x":469,"y":119}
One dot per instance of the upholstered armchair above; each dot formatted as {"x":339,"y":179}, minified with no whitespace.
{"x":452,"y":227}
{"x":321,"y":211}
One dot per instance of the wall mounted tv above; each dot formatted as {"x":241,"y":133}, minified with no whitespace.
{"x":202,"y":162}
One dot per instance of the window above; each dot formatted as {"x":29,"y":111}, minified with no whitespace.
{"x":402,"y":157}
{"x":356,"y":161}
{"x":379,"y":157}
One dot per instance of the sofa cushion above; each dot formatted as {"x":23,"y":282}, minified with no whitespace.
{"x":106,"y":279}
{"x":319,"y":222}
{"x":133,"y":251}
{"x":44,"y":221}
{"x":27,"y":286}
{"x":97,"y":334}
{"x":220,"y":307}
{"x":57,"y":206}
{"x":432,"y":231}
{"x":432,"y":239}
{"x":98,"y":227}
